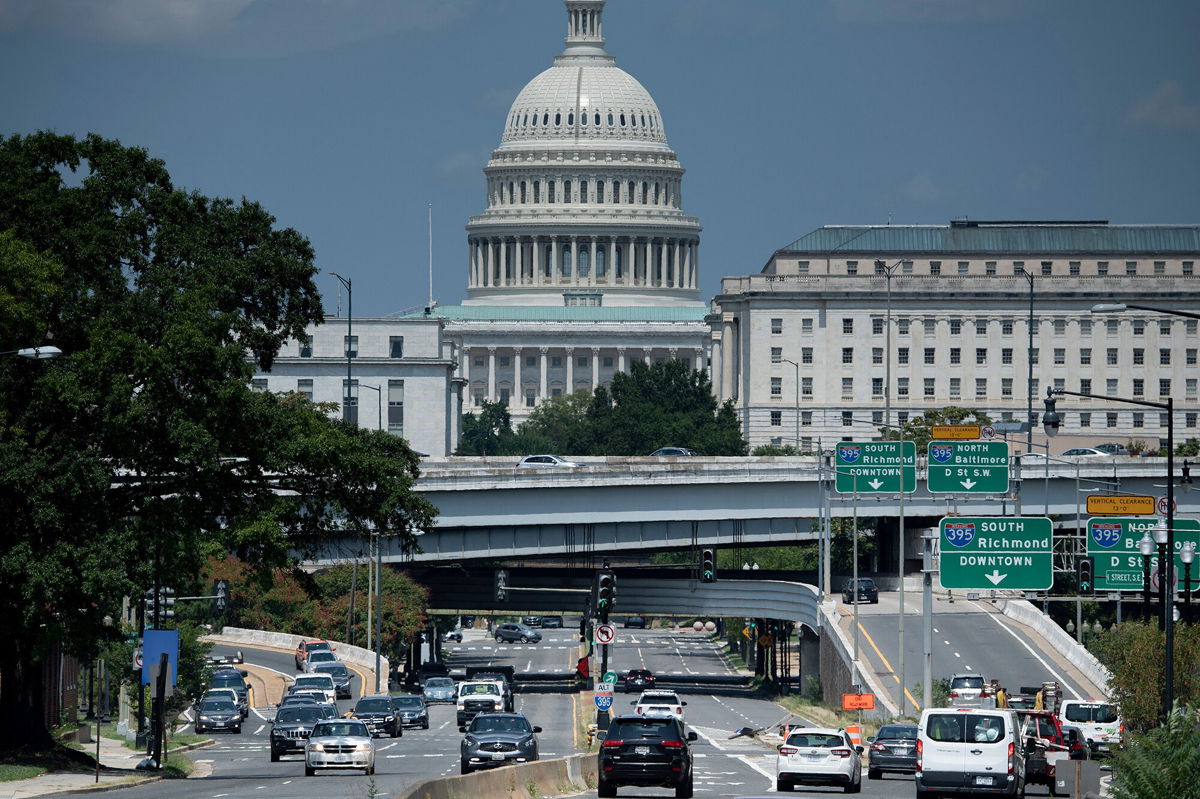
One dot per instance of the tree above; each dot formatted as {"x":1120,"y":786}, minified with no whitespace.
{"x":918,"y":429}
{"x":144,"y":450}
{"x":1134,"y":653}
{"x":489,"y":433}
{"x":560,"y":424}
{"x":1162,"y":763}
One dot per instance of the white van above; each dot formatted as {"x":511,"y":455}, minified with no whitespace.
{"x":1096,"y":719}
{"x":969,"y":751}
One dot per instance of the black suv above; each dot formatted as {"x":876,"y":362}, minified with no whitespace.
{"x":867,"y":591}
{"x":646,"y":752}
{"x":380,"y":715}
{"x":552,"y":621}
{"x":291,"y":728}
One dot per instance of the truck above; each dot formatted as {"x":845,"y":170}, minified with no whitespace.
{"x":478,"y":696}
{"x":506,"y":675}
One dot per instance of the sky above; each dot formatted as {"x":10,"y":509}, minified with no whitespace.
{"x":346,"y":119}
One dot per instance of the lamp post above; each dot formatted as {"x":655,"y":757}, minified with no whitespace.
{"x":1187,"y":554}
{"x":349,"y":338}
{"x":1146,"y":547}
{"x":1029,"y":357}
{"x":797,"y":387}
{"x":378,"y":401}
{"x":35,"y":353}
{"x":1117,"y":307}
{"x":1052,"y":421}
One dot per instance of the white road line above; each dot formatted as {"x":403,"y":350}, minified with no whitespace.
{"x":286,"y":782}
{"x":260,"y":729}
{"x":1049,"y":668}
{"x":389,"y":746}
{"x":260,"y":715}
{"x":529,"y":665}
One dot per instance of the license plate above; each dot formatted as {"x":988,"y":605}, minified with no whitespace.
{"x":983,"y":780}
{"x":641,"y":750}
{"x":497,"y":756}
{"x":341,"y":758}
{"x":814,"y":758}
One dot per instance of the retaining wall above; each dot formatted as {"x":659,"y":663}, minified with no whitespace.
{"x":363,"y":658}
{"x":522,"y":781}
{"x":1024,"y":612}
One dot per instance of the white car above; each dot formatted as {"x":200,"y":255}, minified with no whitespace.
{"x":1085,"y":452}
{"x":818,"y":756}
{"x":536,"y":461}
{"x":659,"y":703}
{"x":316,"y":658}
{"x":970,"y":690}
{"x":320,"y":682}
{"x":339,"y":743}
{"x":1096,"y":719}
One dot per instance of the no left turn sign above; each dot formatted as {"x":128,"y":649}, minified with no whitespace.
{"x":987,"y":432}
{"x":1163,"y":505}
{"x":606,"y":634}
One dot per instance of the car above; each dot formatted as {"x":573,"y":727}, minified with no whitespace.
{"x":638,"y":622}
{"x":672,"y":452}
{"x":315,"y":659}
{"x":236,"y":680}
{"x":1077,"y":745}
{"x":549,"y":622}
{"x":1113,"y":448}
{"x":531,"y":621}
{"x":539,"y":461}
{"x":892,"y":750}
{"x":1085,"y":452}
{"x":1096,"y":719}
{"x":219,"y":693}
{"x":647,"y":752}
{"x":638,"y":680}
{"x":517,"y":632}
{"x":970,"y":690}
{"x":468,"y":620}
{"x":438,"y":689}
{"x":291,"y":728}
{"x":340,"y":675}
{"x":971,"y":751}
{"x":309,"y":645}
{"x":412,"y":710}
{"x":319,"y":682}
{"x":452,"y":636}
{"x":497,"y":739}
{"x":867,"y":591}
{"x":303,"y":698}
{"x":659,"y":703}
{"x":341,"y":743}
{"x":379,"y":714}
{"x":224,"y":658}
{"x":218,"y":714}
{"x":505,"y":676}
{"x":818,"y":756}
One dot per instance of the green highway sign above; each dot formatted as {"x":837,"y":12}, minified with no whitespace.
{"x":876,"y":467}
{"x":968,"y":467}
{"x":1113,"y":544}
{"x":1007,"y":552}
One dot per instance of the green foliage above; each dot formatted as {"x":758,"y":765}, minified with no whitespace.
{"x":1135,"y":653}
{"x":917,"y":428}
{"x":1191,"y":447}
{"x":1161,"y":763}
{"x":559,"y":424}
{"x":143,"y":450}
{"x":489,"y":433}
{"x":773,"y":449}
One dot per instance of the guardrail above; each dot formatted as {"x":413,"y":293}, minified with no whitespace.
{"x":364,"y":658}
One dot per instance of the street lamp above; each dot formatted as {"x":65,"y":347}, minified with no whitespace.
{"x":797,"y":387}
{"x":1052,"y":421}
{"x":1146,"y":547}
{"x":1029,"y":379}
{"x":1187,"y":554}
{"x":35,"y":353}
{"x":349,"y":338}
{"x":378,"y":401}
{"x":1117,"y":307}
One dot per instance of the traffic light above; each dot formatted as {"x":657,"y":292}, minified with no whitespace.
{"x":159,"y":606}
{"x":708,"y":566}
{"x":221,"y":594}
{"x":1083,"y":571}
{"x":501,"y":585}
{"x":606,"y":593}
{"x":1187,"y":473}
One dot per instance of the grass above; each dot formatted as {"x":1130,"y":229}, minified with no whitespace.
{"x":178,"y":767}
{"x":18,"y":771}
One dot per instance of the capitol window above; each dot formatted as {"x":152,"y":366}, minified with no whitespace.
{"x":1110,"y":419}
{"x":1102,"y":268}
{"x":1006,"y":356}
{"x":1085,"y":327}
{"x":1085,"y":419}
{"x":1060,"y":355}
{"x":776,"y":418}
{"x":981,"y":327}
{"x":1131,"y":268}
{"x":557,"y":119}
{"x":776,"y":386}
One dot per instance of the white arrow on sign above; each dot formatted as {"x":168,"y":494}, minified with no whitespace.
{"x":875,"y":484}
{"x":967,"y":484}
{"x":995,"y":576}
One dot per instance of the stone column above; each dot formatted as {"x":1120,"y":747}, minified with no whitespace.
{"x":486,"y":257}
{"x":574,"y":261}
{"x":620,"y":359}
{"x":698,"y":360}
{"x":592,"y":272}
{"x":518,"y":386}
{"x":595,"y":368}
{"x":555,"y":261}
{"x":726,"y":359}
{"x":718,"y":374}
{"x":647,"y":267}
{"x":544,"y":363}
{"x":678,"y":281}
{"x":491,"y":387}
{"x":610,"y":262}
{"x":537,"y":261}
{"x":673,"y":353}
{"x":520,"y":245}
{"x":570,"y":370}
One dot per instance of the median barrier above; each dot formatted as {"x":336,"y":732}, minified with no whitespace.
{"x":521,"y":781}
{"x":1022,"y":611}
{"x":364,"y":658}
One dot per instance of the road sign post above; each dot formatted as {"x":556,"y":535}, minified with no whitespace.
{"x":968,"y":467}
{"x":1112,"y":544}
{"x":876,"y":467}
{"x":1013,"y":553}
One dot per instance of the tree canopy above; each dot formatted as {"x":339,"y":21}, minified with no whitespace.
{"x":918,"y":429}
{"x":143,"y":450}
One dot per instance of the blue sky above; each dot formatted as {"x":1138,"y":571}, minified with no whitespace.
{"x":345,"y":118}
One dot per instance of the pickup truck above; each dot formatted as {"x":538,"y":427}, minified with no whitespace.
{"x":505,"y":675}
{"x":479,"y":696}
{"x":1046,"y":745}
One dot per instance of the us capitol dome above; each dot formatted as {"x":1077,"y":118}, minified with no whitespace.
{"x":584,"y":193}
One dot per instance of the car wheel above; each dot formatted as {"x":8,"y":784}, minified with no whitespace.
{"x":684,"y":790}
{"x":605,"y":789}
{"x":309,"y":771}
{"x":369,"y":771}
{"x":781,"y":786}
{"x":274,"y":756}
{"x":923,"y":794}
{"x":425,"y":726}
{"x":464,"y":768}
{"x":499,"y":639}
{"x":854,"y":787}
{"x":873,"y":774}
{"x":524,"y":639}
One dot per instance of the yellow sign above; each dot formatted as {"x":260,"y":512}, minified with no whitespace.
{"x":748,"y":633}
{"x":954,"y":432}
{"x":1121,"y":505}
{"x":765,"y":640}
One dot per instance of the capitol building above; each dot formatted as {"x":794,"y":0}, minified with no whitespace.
{"x":583,"y":260}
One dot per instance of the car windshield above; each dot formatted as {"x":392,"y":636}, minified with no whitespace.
{"x":333,"y":669}
{"x":216,"y":706}
{"x":1091,"y":714}
{"x":973,"y":728}
{"x":317,"y":646}
{"x":299,"y":699}
{"x":227,"y":681}
{"x":372,"y":705}
{"x":322,"y":657}
{"x":659,"y":699}
{"x":499,"y":724}
{"x":967,"y":682}
{"x":315,"y":681}
{"x":439,"y":682}
{"x":480,"y":689}
{"x":408,"y":702}
{"x":642,"y":728}
{"x":330,"y":728}
{"x":897,"y":731}
{"x":301,"y":714}
{"x":822,"y":739}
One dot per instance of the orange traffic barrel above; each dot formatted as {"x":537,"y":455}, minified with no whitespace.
{"x":855,"y":733}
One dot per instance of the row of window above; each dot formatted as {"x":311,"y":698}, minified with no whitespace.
{"x":991,"y":268}
{"x":1082,"y":356}
{"x":1112,"y":386}
{"x":584,"y":191}
{"x":557,"y":361}
{"x":1007,"y":326}
{"x":350,"y":347}
{"x":1084,"y":418}
{"x":588,"y":118}
{"x":391,"y":403}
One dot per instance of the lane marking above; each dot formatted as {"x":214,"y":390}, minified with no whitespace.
{"x":260,"y":729}
{"x":887,"y":665}
{"x":1062,"y":680}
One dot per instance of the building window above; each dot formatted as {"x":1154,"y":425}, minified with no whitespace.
{"x":1006,"y":356}
{"x":477,"y":362}
{"x":305,"y":387}
{"x":877,"y":417}
{"x":848,"y":326}
{"x":1139,"y":327}
{"x":929,"y":386}
{"x":608,"y":362}
{"x":1060,"y":327}
{"x":806,"y":419}
{"x":955,"y":386}
{"x":930,"y":355}
{"x":531,"y":360}
{"x":306,"y":346}
{"x":955,"y":327}
{"x":802,"y":267}
{"x":1018,"y":267}
{"x":877,"y":355}
{"x":395,"y":407}
{"x":350,"y":346}
{"x":851,"y":267}
{"x":1139,"y":356}
{"x":505,"y":360}
{"x":1073,"y":268}
{"x":806,"y":325}
{"x":1102,"y":268}
{"x":1131,"y":267}
{"x":1085,"y":327}
{"x":955,"y":355}
{"x":777,"y":355}
{"x":964,"y":267}
{"x":1164,"y":387}
{"x":847,"y":355}
{"x":530,"y":398}
{"x":847,"y":387}
{"x":1111,"y":356}
{"x":1111,"y":326}
{"x":1188,"y":267}
{"x":776,"y":386}
{"x":989,"y":267}
{"x":1138,"y":386}
{"x":350,"y":401}
{"x":980,"y":387}
{"x":1006,"y":327}
{"x":581,"y":361}
{"x":1110,"y":419}
{"x":1006,"y":386}
{"x":479,"y":397}
{"x":877,"y":326}
{"x":902,"y":355}
{"x":1110,"y":386}
{"x":1164,"y":357}
{"x":876,"y":386}
{"x":1190,"y":325}
{"x":806,"y":386}
{"x":1189,"y":385}
{"x":847,"y":418}
{"x":556,"y":361}
{"x":902,"y":387}
{"x":1047,"y":268}
{"x":1059,"y":383}
{"x":930,"y":327}
{"x":1164,"y":327}
{"x":981,"y":327}
{"x":980,"y":355}
{"x":1189,"y":419}
{"x":1085,"y":356}
{"x":776,"y":326}
{"x":1085,"y":419}
{"x":776,"y":418}
{"x":1034,"y":354}
{"x":1189,"y":356}
{"x":906,"y":267}
{"x":902,"y":326}
{"x":259,"y":384}
{"x":1085,"y":385}
{"x":806,"y":355}
{"x":935,"y":267}
{"x":902,"y":417}
{"x":1060,"y":356}
{"x":1139,"y":419}
{"x":395,"y":346}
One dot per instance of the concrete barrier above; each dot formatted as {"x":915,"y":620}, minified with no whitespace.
{"x":364,"y":658}
{"x":1022,"y":611}
{"x":521,"y":781}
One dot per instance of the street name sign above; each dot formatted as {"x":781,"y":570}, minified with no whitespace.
{"x":876,"y":467}
{"x":968,"y":467}
{"x":1004,"y":552}
{"x":1120,"y":505}
{"x":1113,"y":545}
{"x":954,"y":432}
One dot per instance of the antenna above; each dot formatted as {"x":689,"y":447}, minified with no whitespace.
{"x":430,"y":255}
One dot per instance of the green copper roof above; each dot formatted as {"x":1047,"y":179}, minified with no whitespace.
{"x":1001,"y":238}
{"x":563,"y":313}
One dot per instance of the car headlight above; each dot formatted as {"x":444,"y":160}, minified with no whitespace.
{"x":526,"y":744}
{"x":390,"y":718}
{"x":205,"y":718}
{"x":316,"y":747}
{"x":362,"y":748}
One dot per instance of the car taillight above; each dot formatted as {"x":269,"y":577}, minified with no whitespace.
{"x":639,"y":710}
{"x":879,"y":747}
{"x":787,"y":750}
{"x":1011,"y":752}
{"x":679,"y":710}
{"x":673,"y":744}
{"x":615,"y":742}
{"x":984,"y":694}
{"x":840,"y":752}
{"x":921,"y":751}
{"x":954,"y":694}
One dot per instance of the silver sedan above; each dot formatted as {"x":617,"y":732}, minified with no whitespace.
{"x":339,"y":743}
